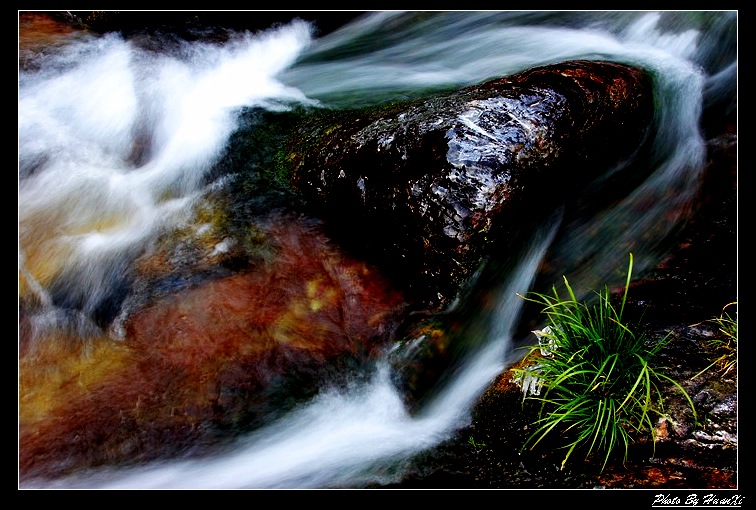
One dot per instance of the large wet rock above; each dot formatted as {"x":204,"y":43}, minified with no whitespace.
{"x":428,"y":189}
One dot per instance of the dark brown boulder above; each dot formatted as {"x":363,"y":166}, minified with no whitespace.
{"x":428,"y":188}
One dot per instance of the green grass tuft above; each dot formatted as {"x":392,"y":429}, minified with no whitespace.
{"x":725,"y":344}
{"x":594,"y":376}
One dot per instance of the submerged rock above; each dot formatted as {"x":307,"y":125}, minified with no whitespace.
{"x":201,"y":365}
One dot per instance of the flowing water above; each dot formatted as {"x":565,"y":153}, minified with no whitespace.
{"x":117,"y":146}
